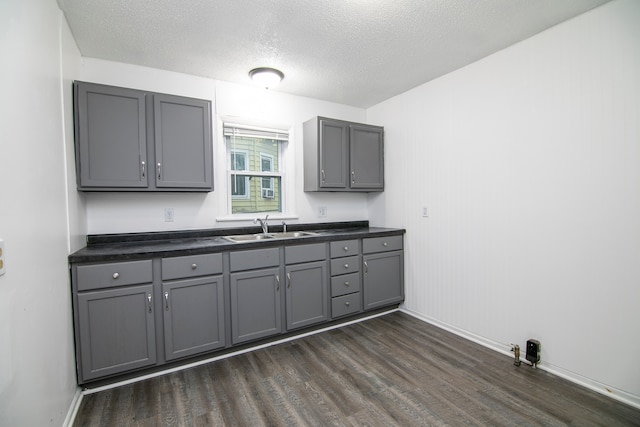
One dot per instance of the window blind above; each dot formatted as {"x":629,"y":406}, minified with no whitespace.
{"x":237,"y":130}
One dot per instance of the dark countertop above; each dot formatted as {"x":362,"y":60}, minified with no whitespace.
{"x":131,"y":246}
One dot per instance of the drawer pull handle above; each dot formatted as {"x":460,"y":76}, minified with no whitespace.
{"x":366,"y":267}
{"x":144,"y":168}
{"x":346,"y":283}
{"x":149,"y":309}
{"x":347,"y":303}
{"x":288,"y":280}
{"x":353,"y":177}
{"x":159,"y":167}
{"x":384,"y":244}
{"x":166,"y":300}
{"x":346,"y":266}
{"x":194,"y":266}
{"x":116,"y":275}
{"x":346,"y":248}
{"x":277,"y":282}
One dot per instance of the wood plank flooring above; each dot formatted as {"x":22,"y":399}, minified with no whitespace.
{"x":393,"y":370}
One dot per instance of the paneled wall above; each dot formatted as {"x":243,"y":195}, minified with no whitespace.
{"x":529,"y":164}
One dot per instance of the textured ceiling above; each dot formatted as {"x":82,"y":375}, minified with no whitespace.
{"x":354,"y":52}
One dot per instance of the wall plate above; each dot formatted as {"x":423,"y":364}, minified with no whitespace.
{"x":2,"y":269}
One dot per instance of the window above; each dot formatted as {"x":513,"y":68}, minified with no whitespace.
{"x":255,"y":168}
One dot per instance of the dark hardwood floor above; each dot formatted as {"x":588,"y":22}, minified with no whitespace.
{"x":393,"y":370}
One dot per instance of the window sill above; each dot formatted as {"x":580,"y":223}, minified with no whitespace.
{"x":280,"y":216}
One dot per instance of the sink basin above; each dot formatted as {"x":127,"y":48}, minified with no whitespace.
{"x":271,"y":236}
{"x":290,"y":234}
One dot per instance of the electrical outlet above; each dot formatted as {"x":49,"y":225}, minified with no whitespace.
{"x":425,"y":211}
{"x":168,"y":214}
{"x":322,"y":211}
{"x":1,"y":257}
{"x":533,"y":351}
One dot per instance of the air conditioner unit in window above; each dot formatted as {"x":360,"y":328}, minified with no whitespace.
{"x":267,"y":193}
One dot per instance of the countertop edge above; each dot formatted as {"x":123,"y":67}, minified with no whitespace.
{"x":189,"y":244}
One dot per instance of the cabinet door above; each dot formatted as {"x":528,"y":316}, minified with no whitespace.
{"x":366,"y":157}
{"x":110,"y":137}
{"x":333,"y":154}
{"x":193,"y":312}
{"x":182,"y":128}
{"x":117,"y":331}
{"x":255,"y":304}
{"x":383,"y":278}
{"x":307,"y":301}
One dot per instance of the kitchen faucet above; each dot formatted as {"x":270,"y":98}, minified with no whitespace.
{"x":263,"y":224}
{"x":284,"y":227}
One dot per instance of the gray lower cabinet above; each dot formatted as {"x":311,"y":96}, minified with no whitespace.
{"x":126,"y":313}
{"x":193,"y":306}
{"x":255,"y":304}
{"x":346,"y":295}
{"x":132,"y":140}
{"x":307,"y":284}
{"x":116,"y":330}
{"x":383,"y":271}
{"x":342,"y":156}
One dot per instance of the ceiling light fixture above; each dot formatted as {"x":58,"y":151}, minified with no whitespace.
{"x":267,"y":77}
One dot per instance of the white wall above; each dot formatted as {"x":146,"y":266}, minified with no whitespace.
{"x":529,"y":163}
{"x":135,"y":212}
{"x":37,"y":373}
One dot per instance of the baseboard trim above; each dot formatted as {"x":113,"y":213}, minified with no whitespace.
{"x":73,"y":408}
{"x":606,"y":390}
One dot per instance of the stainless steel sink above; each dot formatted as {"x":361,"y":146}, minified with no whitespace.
{"x":242,"y":238}
{"x":290,"y":234}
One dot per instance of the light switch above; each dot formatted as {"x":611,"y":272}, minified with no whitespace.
{"x":1,"y":257}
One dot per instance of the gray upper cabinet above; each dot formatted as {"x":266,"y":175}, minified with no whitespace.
{"x":342,"y":156}
{"x":111,"y":138}
{"x":182,"y":142}
{"x":366,"y":153}
{"x":131,"y":140}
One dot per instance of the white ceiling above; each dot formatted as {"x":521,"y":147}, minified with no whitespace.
{"x":354,"y":52}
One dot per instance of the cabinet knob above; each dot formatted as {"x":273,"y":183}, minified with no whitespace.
{"x":346,"y":266}
{"x":384,"y":244}
{"x":346,"y":248}
{"x":194,"y":266}
{"x":347,"y":303}
{"x":116,"y":275}
{"x":346,"y":283}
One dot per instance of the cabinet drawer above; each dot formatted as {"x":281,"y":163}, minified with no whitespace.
{"x":114,"y":274}
{"x":346,"y":304}
{"x":191,"y":266}
{"x":305,"y":253}
{"x":381,"y":244}
{"x":344,"y":248}
{"x":256,"y":258}
{"x":345,"y":265}
{"x":345,"y":284}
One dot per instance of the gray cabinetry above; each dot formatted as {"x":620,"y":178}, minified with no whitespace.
{"x":131,"y":140}
{"x":182,"y":142}
{"x":346,"y":297}
{"x":193,"y":306}
{"x":342,"y":156}
{"x":383,"y":271}
{"x":307,"y":301}
{"x":256,"y":307}
{"x":114,"y":318}
{"x":111,"y":138}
